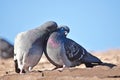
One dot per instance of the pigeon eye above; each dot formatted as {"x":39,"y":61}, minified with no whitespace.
{"x":62,"y":28}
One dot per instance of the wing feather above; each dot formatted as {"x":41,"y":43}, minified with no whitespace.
{"x":74,"y":51}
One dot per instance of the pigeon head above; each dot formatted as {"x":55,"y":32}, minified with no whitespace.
{"x":64,"y":29}
{"x":50,"y":26}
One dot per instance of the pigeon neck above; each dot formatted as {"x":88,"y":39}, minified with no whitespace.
{"x":55,"y":39}
{"x":58,"y":36}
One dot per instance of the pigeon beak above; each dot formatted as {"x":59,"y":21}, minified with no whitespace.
{"x":65,"y":33}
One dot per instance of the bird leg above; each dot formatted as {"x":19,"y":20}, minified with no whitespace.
{"x":57,"y":67}
{"x":30,"y":68}
{"x":62,"y":68}
{"x":22,"y":71}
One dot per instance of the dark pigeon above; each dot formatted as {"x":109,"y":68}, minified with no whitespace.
{"x":28,"y":47}
{"x":6,"y":49}
{"x":62,"y":51}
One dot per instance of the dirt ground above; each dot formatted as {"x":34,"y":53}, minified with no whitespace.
{"x":43,"y":71}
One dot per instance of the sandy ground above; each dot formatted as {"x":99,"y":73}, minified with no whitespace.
{"x":43,"y":70}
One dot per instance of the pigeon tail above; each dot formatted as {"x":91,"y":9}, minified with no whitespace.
{"x":89,"y":58}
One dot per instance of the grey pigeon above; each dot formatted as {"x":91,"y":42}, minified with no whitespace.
{"x":6,"y":49}
{"x":64,"y":52}
{"x":28,"y":46}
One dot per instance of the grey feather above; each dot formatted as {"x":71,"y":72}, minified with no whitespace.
{"x":64,"y":51}
{"x":28,"y":47}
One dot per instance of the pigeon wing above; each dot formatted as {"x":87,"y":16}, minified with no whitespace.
{"x":74,"y":51}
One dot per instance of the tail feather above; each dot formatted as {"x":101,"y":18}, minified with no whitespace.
{"x":89,"y":60}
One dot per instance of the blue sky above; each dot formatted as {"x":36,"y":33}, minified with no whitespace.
{"x":94,"y":24}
